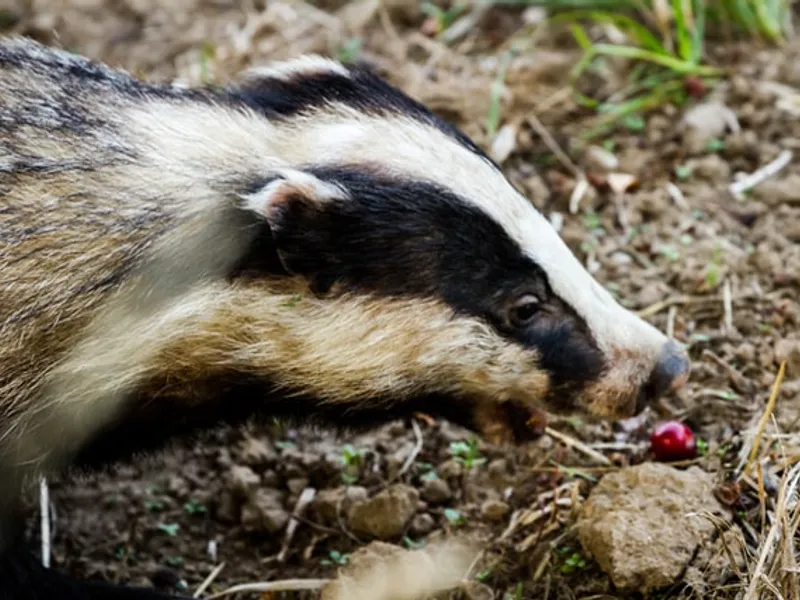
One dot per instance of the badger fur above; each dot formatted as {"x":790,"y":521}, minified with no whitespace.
{"x":308,"y":242}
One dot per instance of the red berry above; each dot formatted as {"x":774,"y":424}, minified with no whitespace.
{"x":673,"y":441}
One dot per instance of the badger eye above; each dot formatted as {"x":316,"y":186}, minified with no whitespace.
{"x":523,"y":310}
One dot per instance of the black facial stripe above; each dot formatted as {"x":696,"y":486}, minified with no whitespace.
{"x":411,"y":238}
{"x":362,"y":90}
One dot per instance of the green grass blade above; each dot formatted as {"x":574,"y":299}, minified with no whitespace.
{"x":699,"y":33}
{"x":681,"y":30}
{"x":643,"y":36}
{"x":682,"y":67}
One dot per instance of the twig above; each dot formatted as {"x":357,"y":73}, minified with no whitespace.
{"x":418,"y":442}
{"x":677,"y":196}
{"x":657,"y":307}
{"x":727,"y":306}
{"x":551,"y":143}
{"x":208,"y":580}
{"x":44,"y":507}
{"x":306,"y":497}
{"x":578,"y":445}
{"x":578,"y":192}
{"x":671,"y":314}
{"x":788,"y":490}
{"x":761,"y":175}
{"x":773,"y":397}
{"x":285,"y":585}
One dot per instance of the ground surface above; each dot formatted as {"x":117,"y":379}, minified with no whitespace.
{"x":672,"y":255}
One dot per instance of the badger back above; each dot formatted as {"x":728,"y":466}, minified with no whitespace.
{"x":309,"y":241}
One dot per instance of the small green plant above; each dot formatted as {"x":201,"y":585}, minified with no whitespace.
{"x":516,"y":594}
{"x":171,"y":529}
{"x":666,"y":41}
{"x":351,"y":459}
{"x":411,"y":544}
{"x":350,"y":50}
{"x":573,"y":560}
{"x":154,"y":505}
{"x":702,"y":447}
{"x":193,"y":507}
{"x":483,"y":575}
{"x":443,"y":18}
{"x":682,"y":172}
{"x":175,"y":561}
{"x":335,"y":558}
{"x":207,"y":54}
{"x":454,"y":517}
{"x":467,"y":453}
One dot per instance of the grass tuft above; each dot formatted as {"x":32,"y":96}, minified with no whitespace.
{"x":664,"y":39}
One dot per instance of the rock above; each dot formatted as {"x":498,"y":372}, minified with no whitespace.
{"x":422,"y":524}
{"x":600,"y":159}
{"x":177,"y":487}
{"x":264,"y":512}
{"x":242,"y":481}
{"x":227,"y":509}
{"x":711,"y":167}
{"x":704,"y":122}
{"x":642,"y":524}
{"x":297,"y":485}
{"x":328,"y":501}
{"x":385,"y":515}
{"x":436,"y":491}
{"x":774,"y":192}
{"x":450,"y":469}
{"x":789,"y":350}
{"x":494,"y":510}
{"x":256,"y":453}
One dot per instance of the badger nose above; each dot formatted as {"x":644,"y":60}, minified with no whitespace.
{"x":670,"y":373}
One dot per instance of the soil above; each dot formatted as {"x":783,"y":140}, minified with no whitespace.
{"x":168,"y":520}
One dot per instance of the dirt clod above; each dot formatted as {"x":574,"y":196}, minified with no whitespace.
{"x":436,"y":491}
{"x":264,"y":512}
{"x":788,"y":350}
{"x":643,"y":524}
{"x":385,"y":515}
{"x":494,"y":510}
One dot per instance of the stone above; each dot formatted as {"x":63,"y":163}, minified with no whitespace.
{"x":643,"y":524}
{"x":436,"y":491}
{"x":712,"y":168}
{"x":385,"y":515}
{"x":450,"y":469}
{"x":494,"y":510}
{"x":422,"y":524}
{"x":242,"y":481}
{"x":774,"y":192}
{"x":256,"y":453}
{"x":705,"y":122}
{"x":598,"y":158}
{"x":328,"y":502}
{"x":264,"y":512}
{"x":788,"y":349}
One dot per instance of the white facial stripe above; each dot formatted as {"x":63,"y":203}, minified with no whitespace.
{"x":303,"y":65}
{"x":410,"y":148}
{"x":244,"y":141}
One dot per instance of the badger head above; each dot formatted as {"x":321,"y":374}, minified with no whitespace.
{"x":435,"y":284}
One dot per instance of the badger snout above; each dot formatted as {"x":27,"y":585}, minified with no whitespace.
{"x":670,"y":373}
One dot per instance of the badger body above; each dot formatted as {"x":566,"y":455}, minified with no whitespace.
{"x":308,"y":242}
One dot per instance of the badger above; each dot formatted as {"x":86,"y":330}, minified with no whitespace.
{"x":306,"y":242}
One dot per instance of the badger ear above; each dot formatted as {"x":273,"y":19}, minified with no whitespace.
{"x":296,"y":204}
